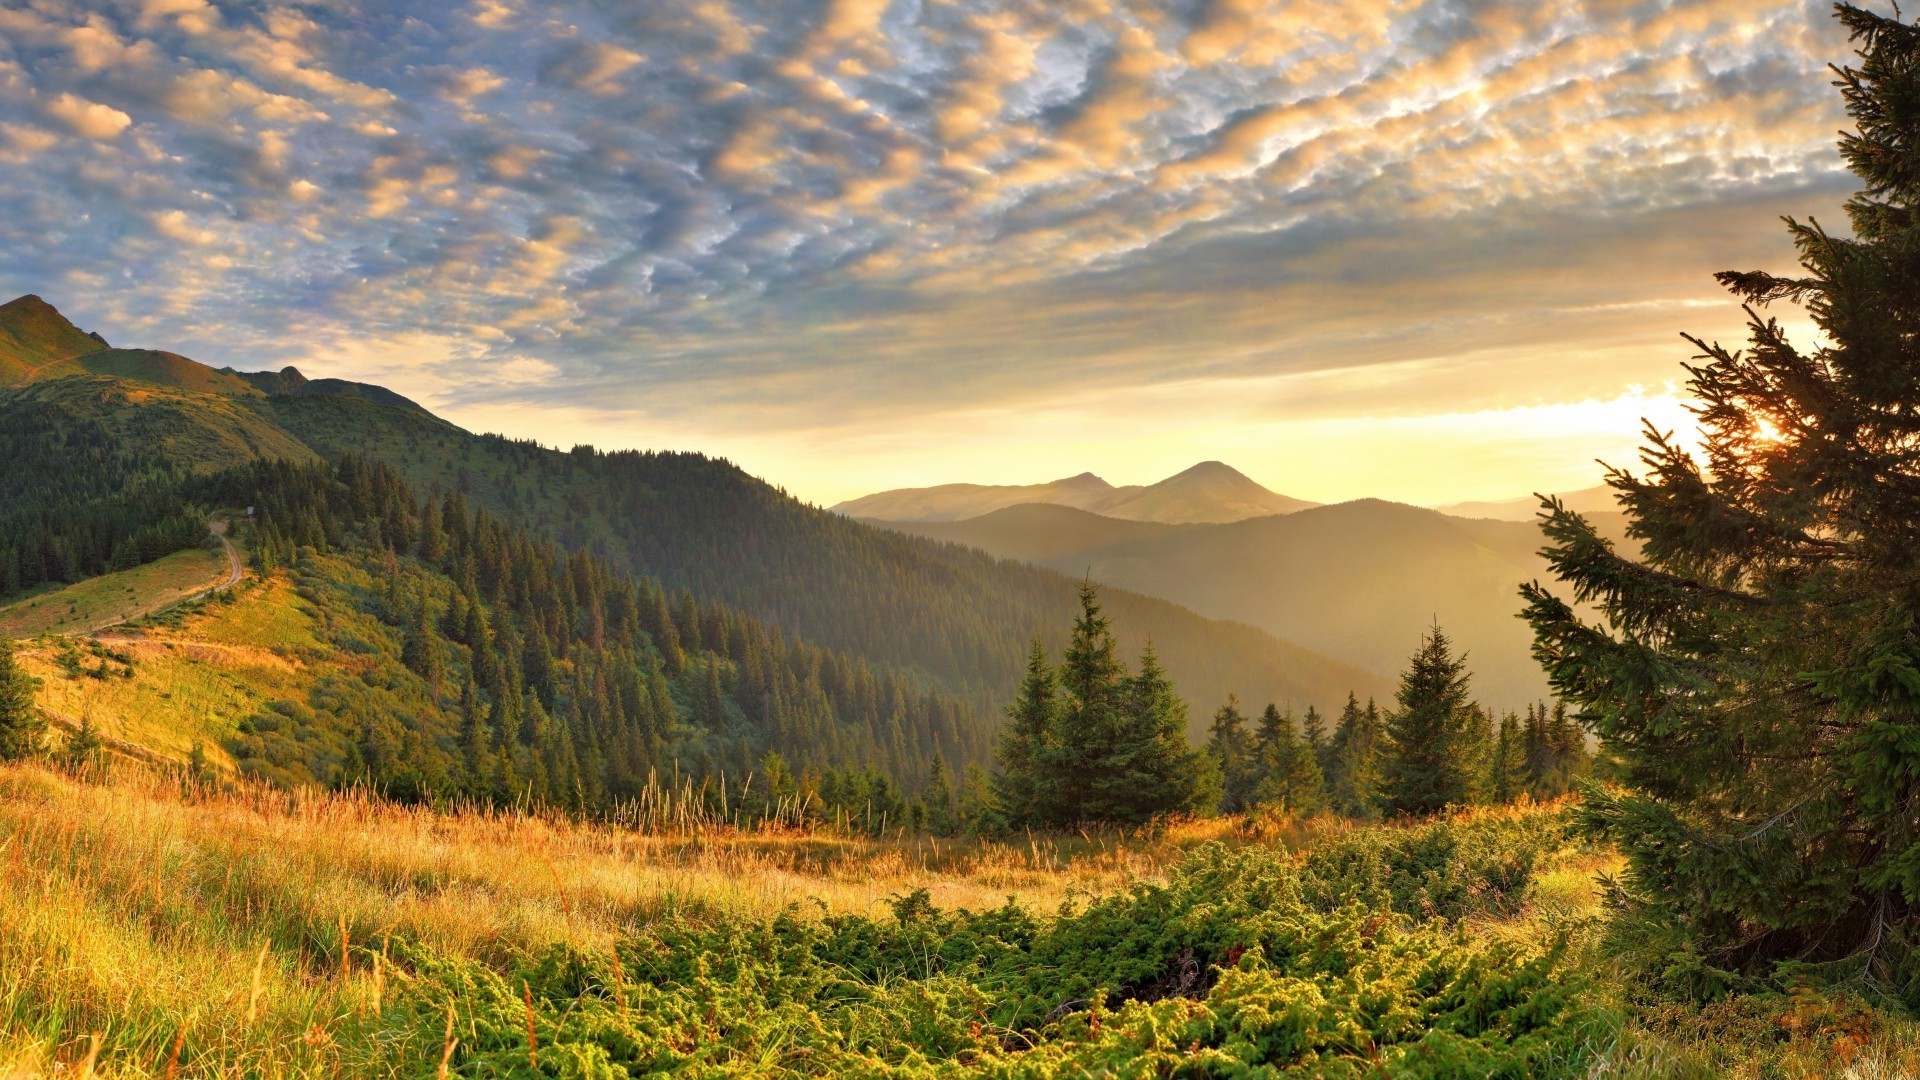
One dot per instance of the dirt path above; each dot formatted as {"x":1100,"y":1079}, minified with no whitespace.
{"x":32,"y":371}
{"x":219,"y":529}
{"x":234,"y":573}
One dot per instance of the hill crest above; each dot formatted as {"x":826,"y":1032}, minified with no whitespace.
{"x":1209,"y":492}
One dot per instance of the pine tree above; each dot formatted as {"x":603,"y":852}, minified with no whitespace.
{"x":1313,"y":730}
{"x":83,"y":746}
{"x":21,"y":724}
{"x":939,"y":799}
{"x":1234,"y":755}
{"x":1757,"y":677}
{"x":1024,"y":788}
{"x":1291,"y":779}
{"x":1507,"y":765}
{"x":1090,"y":744}
{"x":1430,"y":764}
{"x":1152,"y":771}
{"x":1088,"y":723}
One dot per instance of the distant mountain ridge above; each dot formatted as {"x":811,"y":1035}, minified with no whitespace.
{"x":1599,"y":499}
{"x":937,"y":613}
{"x":1210,"y":492}
{"x":1358,"y":581}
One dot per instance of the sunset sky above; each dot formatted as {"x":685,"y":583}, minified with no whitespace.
{"x":1428,"y":251}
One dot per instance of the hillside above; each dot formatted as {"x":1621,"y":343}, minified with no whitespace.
{"x":932,"y":612}
{"x":1594,"y":500}
{"x":1357,"y":581}
{"x":1208,"y":492}
{"x":960,"y":617}
{"x":34,"y":336}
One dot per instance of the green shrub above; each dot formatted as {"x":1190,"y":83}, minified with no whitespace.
{"x":1244,"y":963}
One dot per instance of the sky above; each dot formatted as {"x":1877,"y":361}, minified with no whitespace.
{"x":1429,"y":251}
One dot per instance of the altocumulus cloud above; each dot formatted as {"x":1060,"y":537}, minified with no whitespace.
{"x":766,"y":212}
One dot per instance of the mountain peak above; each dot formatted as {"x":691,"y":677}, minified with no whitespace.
{"x":1207,"y":470}
{"x":1084,"y":481}
{"x":33,"y":334}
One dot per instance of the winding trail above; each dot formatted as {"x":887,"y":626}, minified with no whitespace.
{"x":235,"y":570}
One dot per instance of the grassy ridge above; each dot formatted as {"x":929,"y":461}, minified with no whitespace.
{"x":114,"y":598}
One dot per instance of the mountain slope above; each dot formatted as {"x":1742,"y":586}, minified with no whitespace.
{"x":1208,"y":492}
{"x":959,"y":617}
{"x":1594,"y":500}
{"x":955,"y":618}
{"x":1358,"y":581}
{"x":952,"y":502}
{"x":34,"y":335}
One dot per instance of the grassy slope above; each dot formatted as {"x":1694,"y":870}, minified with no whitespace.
{"x":113,"y":598}
{"x":33,"y":334}
{"x":195,"y":673}
{"x":140,"y":911}
{"x":204,"y":431}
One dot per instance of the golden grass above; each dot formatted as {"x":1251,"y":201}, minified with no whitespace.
{"x":200,"y":934}
{"x":191,"y":683}
{"x":137,"y":909}
{"x":113,"y":598}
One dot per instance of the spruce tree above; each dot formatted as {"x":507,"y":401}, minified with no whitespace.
{"x":1090,"y":744}
{"x":1088,"y":723}
{"x":1152,"y":771}
{"x":1757,"y":673}
{"x":1234,"y":754}
{"x":21,"y":724}
{"x":1024,"y":788}
{"x":1356,"y":750}
{"x":1432,"y":736}
{"x":1291,"y":778}
{"x":1313,"y":731}
{"x":1507,"y":765}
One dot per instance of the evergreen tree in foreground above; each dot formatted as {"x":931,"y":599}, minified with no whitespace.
{"x":1758,"y":674}
{"x":21,"y":724}
{"x":1435,"y":736}
{"x":1089,"y":744}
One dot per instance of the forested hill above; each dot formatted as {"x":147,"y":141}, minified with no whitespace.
{"x":951,"y":613}
{"x":936,"y":612}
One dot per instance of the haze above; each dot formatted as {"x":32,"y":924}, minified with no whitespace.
{"x":1429,"y":252}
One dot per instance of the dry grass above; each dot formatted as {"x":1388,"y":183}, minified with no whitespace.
{"x":191,"y":683}
{"x":137,"y":908}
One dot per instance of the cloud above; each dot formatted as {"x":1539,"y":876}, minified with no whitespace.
{"x":89,"y":119}
{"x":755,"y":215}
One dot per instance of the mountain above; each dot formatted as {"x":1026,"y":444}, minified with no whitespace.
{"x":112,"y":450}
{"x":1357,"y":581}
{"x":1208,"y":492}
{"x":1593,"y":500}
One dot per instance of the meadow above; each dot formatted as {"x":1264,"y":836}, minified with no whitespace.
{"x":113,"y":598}
{"x":153,"y":926}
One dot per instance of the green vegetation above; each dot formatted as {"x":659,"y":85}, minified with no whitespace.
{"x":1090,"y":743}
{"x":117,"y":597}
{"x":1758,"y":676}
{"x":21,"y":724}
{"x":935,"y":611}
